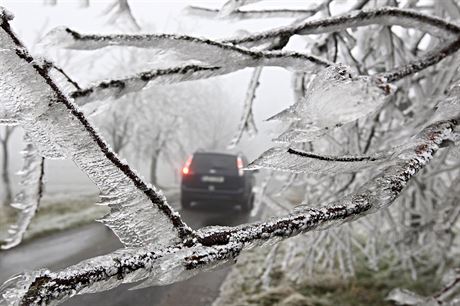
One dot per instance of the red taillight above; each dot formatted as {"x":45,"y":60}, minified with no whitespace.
{"x":239,"y":163}
{"x":186,"y":169}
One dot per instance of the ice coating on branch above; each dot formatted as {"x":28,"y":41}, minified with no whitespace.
{"x":247,"y":119}
{"x":449,"y":106}
{"x":5,"y":15}
{"x":383,"y":15}
{"x":288,"y":114}
{"x":232,"y":5}
{"x":139,"y":214}
{"x":13,"y":289}
{"x":186,"y":48}
{"x":239,"y":14}
{"x":27,"y":200}
{"x":118,"y":88}
{"x":211,"y":58}
{"x":298,"y":161}
{"x":336,"y":96}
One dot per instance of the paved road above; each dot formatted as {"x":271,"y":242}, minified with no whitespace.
{"x":69,"y":247}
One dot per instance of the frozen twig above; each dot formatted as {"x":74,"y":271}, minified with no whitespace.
{"x":247,"y":118}
{"x":119,"y":87}
{"x":188,"y":72}
{"x":422,"y":63}
{"x":240,"y":14}
{"x":382,"y":16}
{"x":120,"y":9}
{"x":231,"y":5}
{"x":298,"y":161}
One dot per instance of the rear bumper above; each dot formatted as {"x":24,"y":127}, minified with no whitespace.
{"x":194,"y":194}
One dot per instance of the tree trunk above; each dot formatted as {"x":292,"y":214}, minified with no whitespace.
{"x":153,"y":167}
{"x":7,"y":196}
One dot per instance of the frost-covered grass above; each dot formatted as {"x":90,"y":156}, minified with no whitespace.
{"x":59,"y":212}
{"x":243,"y":286}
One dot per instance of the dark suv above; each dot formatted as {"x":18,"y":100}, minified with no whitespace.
{"x":217,"y":177}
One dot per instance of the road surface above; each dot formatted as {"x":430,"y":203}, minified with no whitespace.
{"x":69,"y":247}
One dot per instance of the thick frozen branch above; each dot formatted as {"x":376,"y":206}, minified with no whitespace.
{"x":217,"y":245}
{"x":28,"y":199}
{"x":139,"y":214}
{"x":383,"y":16}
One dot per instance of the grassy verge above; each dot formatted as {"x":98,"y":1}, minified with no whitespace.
{"x":367,"y":287}
{"x":60,"y":212}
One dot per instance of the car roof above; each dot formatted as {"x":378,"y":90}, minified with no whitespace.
{"x":215,"y":153}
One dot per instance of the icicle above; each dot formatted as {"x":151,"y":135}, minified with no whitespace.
{"x":29,"y":196}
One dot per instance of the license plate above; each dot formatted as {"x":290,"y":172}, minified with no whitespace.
{"x":212,"y":179}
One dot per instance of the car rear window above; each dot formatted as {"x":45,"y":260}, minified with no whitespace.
{"x":205,"y":163}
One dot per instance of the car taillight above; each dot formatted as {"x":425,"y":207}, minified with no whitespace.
{"x":239,"y":163}
{"x":186,"y":169}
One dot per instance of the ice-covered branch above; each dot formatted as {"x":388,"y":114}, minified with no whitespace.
{"x":383,"y":16}
{"x":120,"y":9}
{"x":247,"y":118}
{"x":320,"y":111}
{"x":298,"y":161}
{"x":188,"y":72}
{"x":187,"y":47}
{"x":231,"y":5}
{"x":422,"y":63}
{"x":240,"y":14}
{"x":28,"y":198}
{"x":119,"y":87}
{"x":139,"y":213}
{"x":217,"y":245}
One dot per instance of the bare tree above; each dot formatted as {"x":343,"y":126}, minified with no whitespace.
{"x":169,"y":250}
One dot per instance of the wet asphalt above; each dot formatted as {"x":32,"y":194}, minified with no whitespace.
{"x":68,"y":247}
